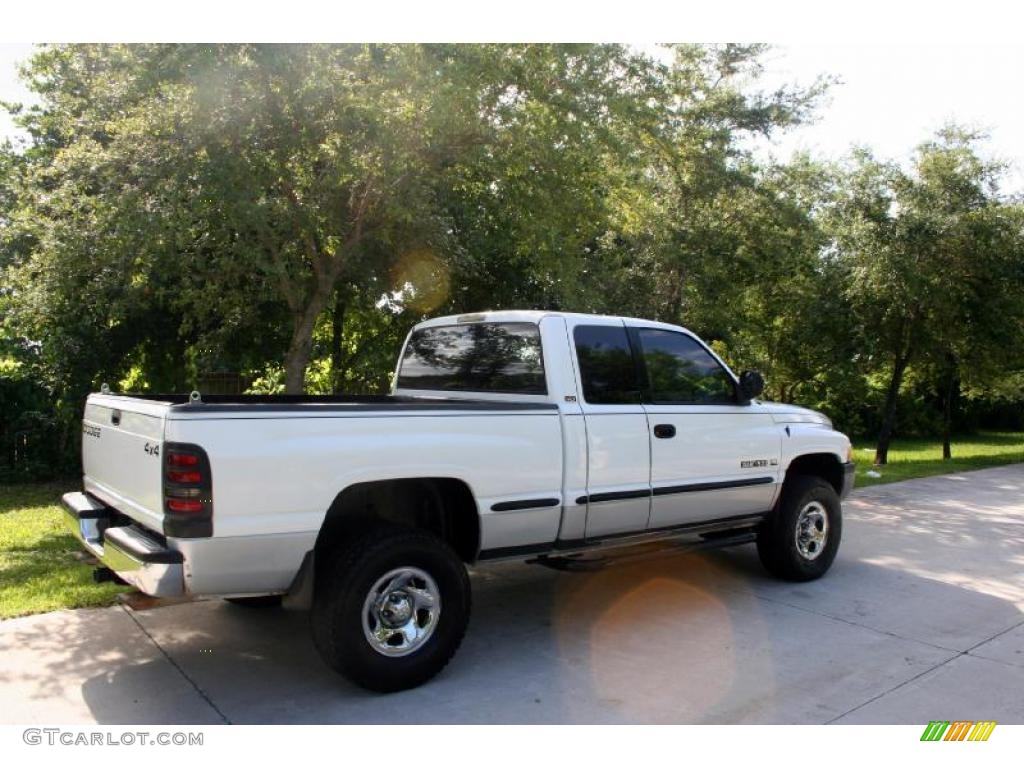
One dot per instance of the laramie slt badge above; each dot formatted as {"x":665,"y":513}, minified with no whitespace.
{"x":758,"y":463}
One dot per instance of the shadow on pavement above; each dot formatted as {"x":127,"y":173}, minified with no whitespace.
{"x":922,"y":609}
{"x":693,"y":638}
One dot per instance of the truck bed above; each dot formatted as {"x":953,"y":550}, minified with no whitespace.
{"x":277,"y":463}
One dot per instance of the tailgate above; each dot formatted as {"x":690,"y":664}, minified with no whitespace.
{"x":121,"y":444}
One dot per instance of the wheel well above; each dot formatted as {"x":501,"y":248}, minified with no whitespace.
{"x":442,"y":505}
{"x":823,"y":465}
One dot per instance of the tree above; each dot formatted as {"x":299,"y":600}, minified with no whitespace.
{"x":265,"y":177}
{"x":932,"y":266}
{"x":979,"y":292}
{"x":703,"y":234}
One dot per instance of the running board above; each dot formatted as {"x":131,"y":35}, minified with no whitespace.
{"x":583,"y":563}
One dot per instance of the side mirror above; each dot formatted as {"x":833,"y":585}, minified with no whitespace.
{"x":751,"y":385}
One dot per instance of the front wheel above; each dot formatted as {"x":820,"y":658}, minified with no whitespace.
{"x":799,"y":541}
{"x":390,"y":608}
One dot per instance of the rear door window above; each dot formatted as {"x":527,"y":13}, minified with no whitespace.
{"x":607,"y":370}
{"x":475,"y":357}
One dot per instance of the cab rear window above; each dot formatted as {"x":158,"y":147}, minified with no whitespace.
{"x":475,"y":357}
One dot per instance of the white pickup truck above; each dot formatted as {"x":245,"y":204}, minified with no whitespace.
{"x":545,"y":436}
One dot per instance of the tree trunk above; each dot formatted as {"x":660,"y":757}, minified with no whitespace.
{"x":327,"y":271}
{"x":947,"y":408}
{"x":673,"y":307}
{"x":889,"y":410}
{"x":947,"y":452}
{"x":337,"y":335}
{"x":301,"y":346}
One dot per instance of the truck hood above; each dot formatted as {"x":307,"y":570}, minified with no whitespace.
{"x":784,"y":412}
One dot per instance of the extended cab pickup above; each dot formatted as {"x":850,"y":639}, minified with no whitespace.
{"x":544,"y":436}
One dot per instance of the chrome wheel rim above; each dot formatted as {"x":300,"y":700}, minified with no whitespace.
{"x":401,"y":611}
{"x":811,"y":530}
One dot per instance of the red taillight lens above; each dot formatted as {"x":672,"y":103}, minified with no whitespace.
{"x":182,"y":460}
{"x":184,"y":505}
{"x":187,"y":491}
{"x":184,"y":477}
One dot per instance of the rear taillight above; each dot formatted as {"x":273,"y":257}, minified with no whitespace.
{"x":185,"y":477}
{"x":187,"y":491}
{"x":184,"y":505}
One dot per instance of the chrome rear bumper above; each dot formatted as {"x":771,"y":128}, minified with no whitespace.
{"x":129,"y":551}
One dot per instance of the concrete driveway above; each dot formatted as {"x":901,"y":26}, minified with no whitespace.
{"x":921,"y":618}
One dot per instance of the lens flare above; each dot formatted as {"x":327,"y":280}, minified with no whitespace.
{"x":423,"y":280}
{"x":654,"y":631}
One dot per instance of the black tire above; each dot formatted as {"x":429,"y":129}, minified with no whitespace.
{"x":777,"y":537}
{"x":345,"y":577}
{"x":261,"y":601}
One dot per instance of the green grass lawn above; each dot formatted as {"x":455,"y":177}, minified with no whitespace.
{"x":42,"y":567}
{"x":921,"y":457}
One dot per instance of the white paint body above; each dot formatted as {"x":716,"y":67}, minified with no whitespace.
{"x":277,"y":470}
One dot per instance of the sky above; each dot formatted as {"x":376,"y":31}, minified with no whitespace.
{"x":11,"y":88}
{"x":890,"y":97}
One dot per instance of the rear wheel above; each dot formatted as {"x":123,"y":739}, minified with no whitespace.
{"x":390,"y":608}
{"x":799,"y":541}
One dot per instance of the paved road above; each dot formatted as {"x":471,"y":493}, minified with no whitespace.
{"x":921,"y":618}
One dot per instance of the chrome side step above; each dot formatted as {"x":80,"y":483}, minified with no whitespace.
{"x":639,"y":552}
